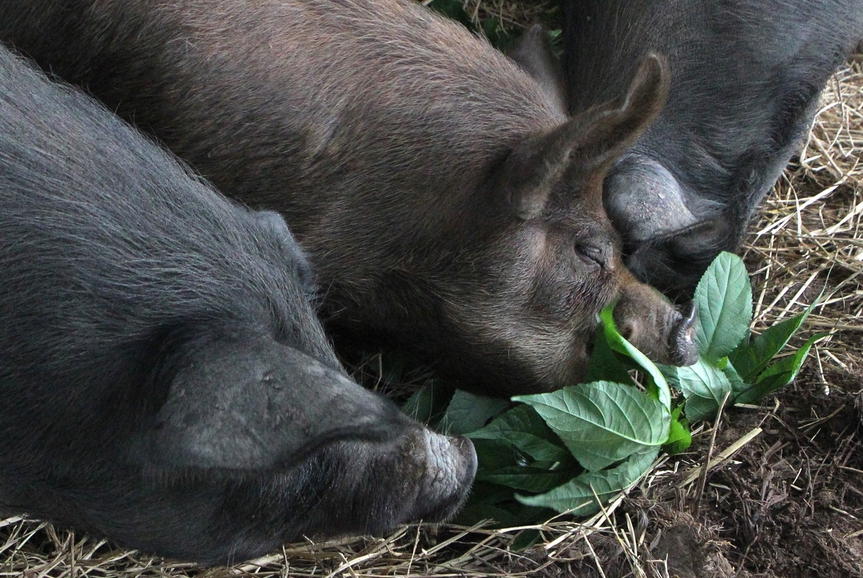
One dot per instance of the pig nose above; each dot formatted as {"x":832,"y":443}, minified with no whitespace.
{"x":456,"y":455}
{"x":450,"y":463}
{"x":682,"y":348}
{"x":664,"y":333}
{"x":469,"y":461}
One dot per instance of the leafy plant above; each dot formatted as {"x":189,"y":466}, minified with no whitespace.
{"x":574,"y":449}
{"x":490,"y":27}
{"x":731,"y":363}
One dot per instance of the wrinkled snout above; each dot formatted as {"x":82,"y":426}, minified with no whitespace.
{"x":651,"y":323}
{"x":450,"y":466}
{"x":682,"y":348}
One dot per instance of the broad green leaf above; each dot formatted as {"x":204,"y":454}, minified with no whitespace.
{"x":525,"y":478}
{"x":737,"y":383}
{"x":525,"y":430}
{"x":524,"y":540}
{"x":428,"y":404}
{"x":492,"y":502}
{"x":669,"y":372}
{"x":704,"y":388}
{"x":605,"y":364}
{"x":602,"y":423}
{"x":579,"y":495}
{"x":779,"y":374}
{"x":621,"y":345}
{"x":724,"y":300}
{"x":679,"y":438}
{"x":495,"y":454}
{"x":467,"y":412}
{"x":749,"y":359}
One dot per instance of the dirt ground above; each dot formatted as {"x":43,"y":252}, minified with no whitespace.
{"x":789,"y":504}
{"x":768,"y":491}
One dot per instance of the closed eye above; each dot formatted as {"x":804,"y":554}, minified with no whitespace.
{"x":591,"y":255}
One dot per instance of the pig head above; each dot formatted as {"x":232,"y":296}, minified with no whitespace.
{"x":165,"y":381}
{"x":447,"y":203}
{"x":746,"y":77}
{"x":542,"y":259}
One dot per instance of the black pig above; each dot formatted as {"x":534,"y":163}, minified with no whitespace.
{"x":446,"y":202}
{"x":745,"y":81}
{"x":164,"y":379}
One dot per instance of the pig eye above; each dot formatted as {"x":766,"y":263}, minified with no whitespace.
{"x":590,"y":254}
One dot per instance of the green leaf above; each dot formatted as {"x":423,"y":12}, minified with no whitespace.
{"x":679,"y":438}
{"x":496,"y":34}
{"x":779,"y":374}
{"x":724,"y":300}
{"x":524,"y":540}
{"x":454,"y":10}
{"x":525,"y":478}
{"x":737,"y":383}
{"x":428,"y":403}
{"x":749,"y":359}
{"x":467,"y":412}
{"x":602,"y":423}
{"x":497,"y":454}
{"x":524,"y":429}
{"x":579,"y":495}
{"x":605,"y":364}
{"x":492,"y":502}
{"x":704,"y":388}
{"x":621,"y":345}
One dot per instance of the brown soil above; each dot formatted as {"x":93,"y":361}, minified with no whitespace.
{"x":789,"y":504}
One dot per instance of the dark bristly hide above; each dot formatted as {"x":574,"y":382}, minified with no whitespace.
{"x":745,"y":80}
{"x":448,"y":204}
{"x":164,"y":379}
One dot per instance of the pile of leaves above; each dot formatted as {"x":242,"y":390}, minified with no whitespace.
{"x":572,"y":450}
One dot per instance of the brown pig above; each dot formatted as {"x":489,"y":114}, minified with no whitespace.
{"x":446,"y":201}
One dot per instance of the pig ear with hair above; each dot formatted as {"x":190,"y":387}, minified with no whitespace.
{"x":533,"y":53}
{"x":589,"y":142}
{"x":254,"y":404}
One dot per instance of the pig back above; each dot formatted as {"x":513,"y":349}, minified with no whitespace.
{"x":371,"y":125}
{"x":323,"y":110}
{"x":446,"y":202}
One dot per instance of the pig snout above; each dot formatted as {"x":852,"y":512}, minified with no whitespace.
{"x":662,"y":332}
{"x":450,"y":464}
{"x":682,"y":348}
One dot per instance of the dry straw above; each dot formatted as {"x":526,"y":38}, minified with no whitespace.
{"x":807,"y":241}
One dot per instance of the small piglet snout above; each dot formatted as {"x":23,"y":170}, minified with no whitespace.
{"x":664,"y":333}
{"x":682,"y":347}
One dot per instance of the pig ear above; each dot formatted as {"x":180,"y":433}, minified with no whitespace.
{"x":589,"y":142}
{"x":256,"y":404}
{"x":533,"y":53}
